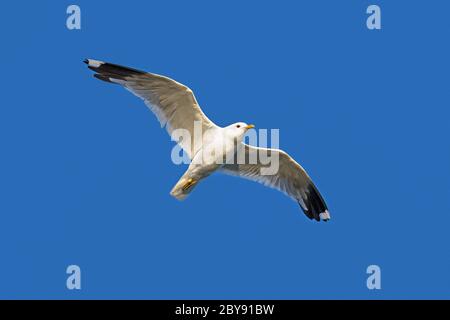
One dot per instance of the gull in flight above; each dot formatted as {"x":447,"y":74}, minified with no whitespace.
{"x":176,"y":108}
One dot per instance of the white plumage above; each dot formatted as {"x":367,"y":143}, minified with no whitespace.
{"x":175,"y":106}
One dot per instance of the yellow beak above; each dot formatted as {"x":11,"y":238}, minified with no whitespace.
{"x":250,"y":126}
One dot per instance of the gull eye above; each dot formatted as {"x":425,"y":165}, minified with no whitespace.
{"x":238,"y":126}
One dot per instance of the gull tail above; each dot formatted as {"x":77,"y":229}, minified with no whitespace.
{"x":183,"y":188}
{"x":313,"y":204}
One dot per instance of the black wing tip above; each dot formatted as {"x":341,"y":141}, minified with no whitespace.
{"x":94,"y":63}
{"x":103,"y":77}
{"x":314,"y":205}
{"x":322,"y":216}
{"x":111,"y":70}
{"x":325,"y":216}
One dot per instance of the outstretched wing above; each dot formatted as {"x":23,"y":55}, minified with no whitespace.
{"x":290,"y":178}
{"x":173,"y":103}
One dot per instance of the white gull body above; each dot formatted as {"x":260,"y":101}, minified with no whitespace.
{"x":175,"y":106}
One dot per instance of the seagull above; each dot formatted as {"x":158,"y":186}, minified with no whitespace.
{"x":175,"y":106}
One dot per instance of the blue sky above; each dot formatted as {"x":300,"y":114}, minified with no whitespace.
{"x":86,"y":170}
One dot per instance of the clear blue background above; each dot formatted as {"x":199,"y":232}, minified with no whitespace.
{"x":86,"y":171}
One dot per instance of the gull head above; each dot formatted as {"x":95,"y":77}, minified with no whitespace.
{"x":238,"y":129}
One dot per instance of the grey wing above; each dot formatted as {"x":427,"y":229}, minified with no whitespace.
{"x":290,"y":178}
{"x":173,"y":103}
